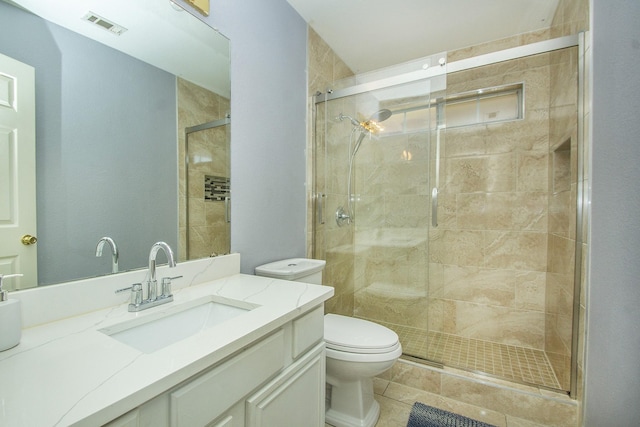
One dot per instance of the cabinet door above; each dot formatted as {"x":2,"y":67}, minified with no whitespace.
{"x":294,"y":398}
{"x":234,"y":417}
{"x":210,"y":395}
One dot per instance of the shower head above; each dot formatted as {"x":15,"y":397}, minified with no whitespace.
{"x":371,"y":124}
{"x":381,"y":116}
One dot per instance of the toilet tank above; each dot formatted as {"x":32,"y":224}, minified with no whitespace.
{"x":296,"y":269}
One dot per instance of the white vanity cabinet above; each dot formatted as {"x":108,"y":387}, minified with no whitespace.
{"x":278,"y":380}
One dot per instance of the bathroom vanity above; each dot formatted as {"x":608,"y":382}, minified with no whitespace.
{"x":262,"y":366}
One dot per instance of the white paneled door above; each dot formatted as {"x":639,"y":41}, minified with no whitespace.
{"x":18,"y":252}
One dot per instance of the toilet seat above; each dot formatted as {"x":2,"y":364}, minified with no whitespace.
{"x":347,"y":356}
{"x":351,"y":335}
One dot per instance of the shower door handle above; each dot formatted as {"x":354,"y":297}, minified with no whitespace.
{"x":320,"y":200}
{"x":227,"y":207}
{"x":434,"y":206}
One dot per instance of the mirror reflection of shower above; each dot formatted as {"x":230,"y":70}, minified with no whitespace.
{"x":364,"y":128}
{"x":208,"y":189}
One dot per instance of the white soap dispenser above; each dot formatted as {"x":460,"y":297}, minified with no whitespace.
{"x":10,"y":318}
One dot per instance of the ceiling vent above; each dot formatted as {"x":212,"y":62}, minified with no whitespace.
{"x":105,"y":24}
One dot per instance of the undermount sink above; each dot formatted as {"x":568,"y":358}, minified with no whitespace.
{"x":175,"y":323}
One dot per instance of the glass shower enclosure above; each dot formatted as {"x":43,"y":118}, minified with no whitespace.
{"x":453,"y":220}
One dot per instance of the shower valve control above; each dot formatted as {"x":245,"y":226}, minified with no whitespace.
{"x":342,"y":217}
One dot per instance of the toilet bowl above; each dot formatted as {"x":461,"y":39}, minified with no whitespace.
{"x":356,"y":351}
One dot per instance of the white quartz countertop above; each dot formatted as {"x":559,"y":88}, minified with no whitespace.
{"x":67,"y":372}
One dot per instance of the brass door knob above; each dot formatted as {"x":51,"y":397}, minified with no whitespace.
{"x":28,"y":239}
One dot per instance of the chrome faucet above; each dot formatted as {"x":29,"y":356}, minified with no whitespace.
{"x":139,"y":303}
{"x":114,"y":252}
{"x":152,"y":284}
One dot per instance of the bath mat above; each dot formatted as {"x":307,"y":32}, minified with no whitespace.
{"x":422,"y":415}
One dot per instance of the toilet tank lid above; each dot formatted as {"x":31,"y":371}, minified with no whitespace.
{"x":350,"y":332}
{"x":291,"y":269}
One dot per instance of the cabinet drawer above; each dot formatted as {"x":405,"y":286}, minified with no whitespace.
{"x":294,"y":398}
{"x":308,"y":330}
{"x":207,"y":397}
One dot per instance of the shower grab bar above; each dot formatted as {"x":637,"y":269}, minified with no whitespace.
{"x":227,"y":206}
{"x":320,"y":200}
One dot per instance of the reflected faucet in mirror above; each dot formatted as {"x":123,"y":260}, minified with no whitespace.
{"x":114,"y":251}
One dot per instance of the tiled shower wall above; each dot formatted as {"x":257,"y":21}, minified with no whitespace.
{"x":325,"y":68}
{"x":208,"y":230}
{"x":562,"y":212}
{"x":572,"y":16}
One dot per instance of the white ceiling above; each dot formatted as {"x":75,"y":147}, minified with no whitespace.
{"x":366,"y":34}
{"x":372,"y":34}
{"x":157,"y":33}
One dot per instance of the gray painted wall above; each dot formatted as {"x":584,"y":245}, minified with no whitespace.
{"x":268,"y":127}
{"x":100,"y":169}
{"x":612,"y":365}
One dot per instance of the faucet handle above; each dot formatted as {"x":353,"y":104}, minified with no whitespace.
{"x":136,"y":293}
{"x":166,"y":286}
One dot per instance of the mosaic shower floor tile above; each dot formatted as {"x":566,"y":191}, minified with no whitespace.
{"x":506,"y":361}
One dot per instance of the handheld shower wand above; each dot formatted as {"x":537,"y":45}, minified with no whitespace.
{"x":354,"y":122}
{"x":347,"y":216}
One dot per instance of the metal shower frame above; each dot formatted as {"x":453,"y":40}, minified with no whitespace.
{"x":577,"y":40}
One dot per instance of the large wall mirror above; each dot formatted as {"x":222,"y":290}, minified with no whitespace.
{"x":132,"y":133}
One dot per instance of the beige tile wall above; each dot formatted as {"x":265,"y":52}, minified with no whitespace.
{"x":325,"y":68}
{"x":562,"y":221}
{"x":571,"y":17}
{"x":208,"y":231}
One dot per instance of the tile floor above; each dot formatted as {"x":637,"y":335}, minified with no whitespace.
{"x":396,"y":401}
{"x":393,"y":413}
{"x":505,"y":361}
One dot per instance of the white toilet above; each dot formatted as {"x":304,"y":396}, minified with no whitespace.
{"x":357,"y":350}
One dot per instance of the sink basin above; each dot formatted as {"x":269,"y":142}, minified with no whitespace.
{"x":158,"y":330}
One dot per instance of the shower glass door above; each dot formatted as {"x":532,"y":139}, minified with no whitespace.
{"x":502,"y":256}
{"x":373,"y":184}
